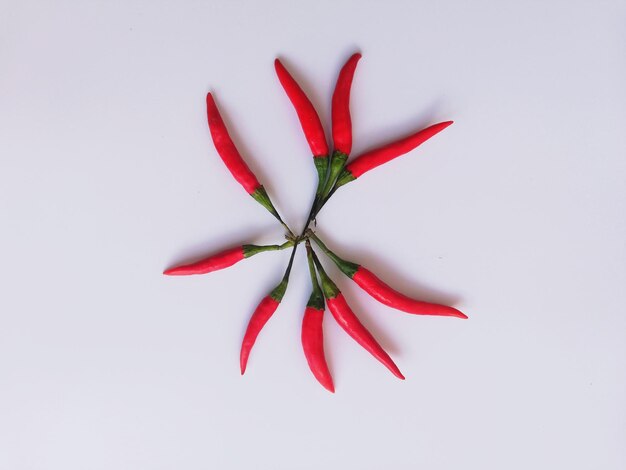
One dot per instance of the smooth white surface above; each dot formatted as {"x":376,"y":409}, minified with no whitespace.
{"x":516,"y":214}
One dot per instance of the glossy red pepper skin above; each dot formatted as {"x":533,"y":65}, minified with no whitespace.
{"x":312,"y":331}
{"x":382,"y":292}
{"x":313,"y":346}
{"x":223,"y":260}
{"x":259,"y":318}
{"x":392,"y":298}
{"x":262,"y":314}
{"x":346,"y":318}
{"x":309,"y":119}
{"x":212,"y":263}
{"x":234,"y":162}
{"x":341,"y":121}
{"x":226,"y":148}
{"x":379,"y":156}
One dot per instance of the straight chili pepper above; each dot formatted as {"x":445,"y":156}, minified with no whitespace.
{"x":377,"y":157}
{"x":223,"y":260}
{"x":312,"y":331}
{"x":371,"y":284}
{"x":341,"y":122}
{"x":309,"y":121}
{"x":234,"y":162}
{"x":346,"y":318}
{"x":262,"y":314}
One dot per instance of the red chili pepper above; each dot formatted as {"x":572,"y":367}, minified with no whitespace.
{"x":388,"y":296}
{"x":332,"y":173}
{"x":234,"y":162}
{"x":312,"y":332}
{"x":346,"y":318}
{"x":309,"y":120}
{"x":342,"y":124}
{"x":377,"y":157}
{"x":222,"y":260}
{"x":384,"y":293}
{"x":313,"y":345}
{"x":262,"y":314}
{"x":226,"y":148}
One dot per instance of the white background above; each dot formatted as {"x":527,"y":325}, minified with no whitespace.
{"x":516,"y":214}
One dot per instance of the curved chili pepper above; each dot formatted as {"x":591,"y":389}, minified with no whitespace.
{"x":309,"y":120}
{"x":350,"y":323}
{"x":313,"y":346}
{"x":384,"y":293}
{"x":234,"y":162}
{"x":262,"y":314}
{"x":226,"y":148}
{"x":310,"y":123}
{"x":312,"y":332}
{"x":388,"y":296}
{"x":342,"y":124}
{"x":377,"y":157}
{"x":223,"y":260}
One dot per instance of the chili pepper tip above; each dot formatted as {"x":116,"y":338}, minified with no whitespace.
{"x":176,"y":271}
{"x":459,"y":314}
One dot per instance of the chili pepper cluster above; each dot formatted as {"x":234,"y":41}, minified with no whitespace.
{"x":334,"y":171}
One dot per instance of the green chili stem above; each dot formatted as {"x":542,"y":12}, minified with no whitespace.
{"x":293,"y":253}
{"x":328,"y":286}
{"x":309,"y":255}
{"x":347,"y":267}
{"x":316,"y":300}
{"x":330,"y":188}
{"x":286,"y":227}
{"x":279,"y":291}
{"x":287,"y":244}
{"x":336,"y":166}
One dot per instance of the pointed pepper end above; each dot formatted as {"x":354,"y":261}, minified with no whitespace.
{"x":395,"y":371}
{"x":179,"y":271}
{"x":243,"y":361}
{"x":457,"y":313}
